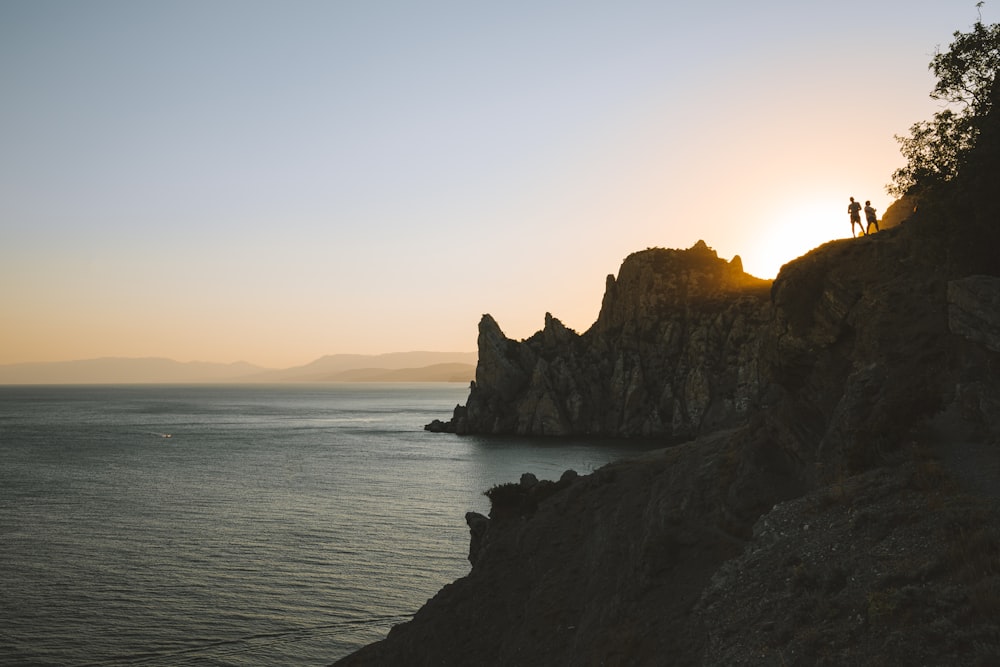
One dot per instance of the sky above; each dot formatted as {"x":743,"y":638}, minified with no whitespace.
{"x":271,"y":182}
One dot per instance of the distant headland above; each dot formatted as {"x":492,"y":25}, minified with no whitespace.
{"x":391,"y":367}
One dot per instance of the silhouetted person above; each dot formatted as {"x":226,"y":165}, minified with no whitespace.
{"x":854,"y":209}
{"x":870,"y":217}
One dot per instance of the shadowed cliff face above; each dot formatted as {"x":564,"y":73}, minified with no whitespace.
{"x":673,"y":354}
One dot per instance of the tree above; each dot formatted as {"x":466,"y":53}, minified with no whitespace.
{"x":936,"y":149}
{"x":966,"y":71}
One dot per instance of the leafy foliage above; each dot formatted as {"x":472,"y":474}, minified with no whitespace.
{"x":966,"y":71}
{"x":936,"y":149}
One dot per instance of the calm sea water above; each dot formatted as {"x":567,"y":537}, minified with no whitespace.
{"x":276,"y":525}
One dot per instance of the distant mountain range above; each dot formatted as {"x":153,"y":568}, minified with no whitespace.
{"x":392,"y":367}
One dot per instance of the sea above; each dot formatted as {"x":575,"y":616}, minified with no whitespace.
{"x":239,"y":524}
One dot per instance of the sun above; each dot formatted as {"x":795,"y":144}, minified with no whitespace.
{"x":800,"y":227}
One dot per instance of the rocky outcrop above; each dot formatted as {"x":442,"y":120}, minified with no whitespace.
{"x":626,"y":552}
{"x":849,"y":513}
{"x":673,"y":354}
{"x":850,"y":516}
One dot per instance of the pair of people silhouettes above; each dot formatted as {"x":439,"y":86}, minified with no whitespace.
{"x":854,"y":210}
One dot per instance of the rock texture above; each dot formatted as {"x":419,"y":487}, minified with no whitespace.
{"x":974,"y":309}
{"x":673,"y":354}
{"x":886,"y":568}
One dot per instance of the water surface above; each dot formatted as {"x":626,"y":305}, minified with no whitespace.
{"x":239,"y":524}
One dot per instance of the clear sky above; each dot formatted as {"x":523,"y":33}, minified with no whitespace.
{"x":226,"y":180}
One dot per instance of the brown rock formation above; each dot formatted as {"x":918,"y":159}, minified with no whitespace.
{"x":876,"y":354}
{"x":849,"y":516}
{"x":673,"y":354}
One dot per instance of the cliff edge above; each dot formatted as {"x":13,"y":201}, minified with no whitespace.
{"x":672,"y":354}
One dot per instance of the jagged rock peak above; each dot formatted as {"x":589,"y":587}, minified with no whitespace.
{"x":499,"y":365}
{"x":698,"y":268}
{"x":488,"y":326}
{"x":702,"y":247}
{"x":555,"y":333}
{"x":660,"y":280}
{"x":673,"y":354}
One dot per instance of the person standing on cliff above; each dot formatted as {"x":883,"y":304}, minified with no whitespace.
{"x":854,"y":210}
{"x":870,"y":217}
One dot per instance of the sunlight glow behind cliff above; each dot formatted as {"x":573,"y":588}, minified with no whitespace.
{"x":273,"y":183}
{"x":803,"y":224}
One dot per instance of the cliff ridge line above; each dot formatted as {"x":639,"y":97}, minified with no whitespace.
{"x":672,"y":354}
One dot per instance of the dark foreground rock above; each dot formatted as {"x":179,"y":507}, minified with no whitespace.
{"x":892,"y":567}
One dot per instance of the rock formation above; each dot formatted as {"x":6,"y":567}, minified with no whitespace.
{"x":839,"y":503}
{"x":673,"y":354}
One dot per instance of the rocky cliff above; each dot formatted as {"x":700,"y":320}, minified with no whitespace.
{"x":673,"y":354}
{"x":838,"y":503}
{"x":838,"y":507}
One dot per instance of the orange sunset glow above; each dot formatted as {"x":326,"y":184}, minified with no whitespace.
{"x":272,"y":182}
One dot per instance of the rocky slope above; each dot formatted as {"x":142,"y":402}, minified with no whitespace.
{"x":837,"y":505}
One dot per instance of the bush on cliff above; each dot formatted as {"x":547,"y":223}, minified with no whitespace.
{"x":953,"y":160}
{"x":510,"y":500}
{"x":936,"y":150}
